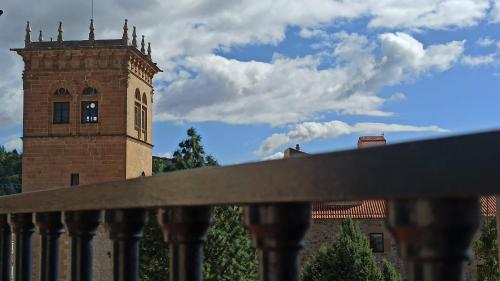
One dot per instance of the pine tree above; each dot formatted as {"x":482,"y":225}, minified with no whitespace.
{"x":486,"y":249}
{"x":348,"y":258}
{"x":389,"y":272}
{"x":228,"y":251}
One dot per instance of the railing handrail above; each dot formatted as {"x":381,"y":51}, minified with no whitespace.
{"x":457,"y":166}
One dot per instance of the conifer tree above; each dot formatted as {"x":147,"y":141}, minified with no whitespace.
{"x":486,"y":249}
{"x":389,"y":272}
{"x":228,"y":252}
{"x":348,"y":258}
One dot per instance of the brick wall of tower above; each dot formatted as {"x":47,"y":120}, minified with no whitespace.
{"x":42,"y":79}
{"x":136,"y":162}
{"x":49,"y":161}
{"x":52,"y":152}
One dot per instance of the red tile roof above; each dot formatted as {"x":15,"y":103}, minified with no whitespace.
{"x":375,"y":209}
{"x":489,"y":206}
{"x":371,"y":138}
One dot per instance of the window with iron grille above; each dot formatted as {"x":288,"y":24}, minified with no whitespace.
{"x":60,"y":113}
{"x":90,"y":112}
{"x":377,"y":242}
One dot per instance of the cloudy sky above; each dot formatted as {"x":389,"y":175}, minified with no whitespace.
{"x":255,"y":77}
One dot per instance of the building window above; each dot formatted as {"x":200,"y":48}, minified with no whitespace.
{"x":60,"y":113}
{"x":61,"y":92}
{"x":137,"y":95}
{"x":89,"y":91}
{"x":75,"y":179}
{"x":377,"y":242}
{"x":137,"y":116}
{"x":89,"y":112}
{"x":144,"y":119}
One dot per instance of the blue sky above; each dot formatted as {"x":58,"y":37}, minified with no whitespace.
{"x":255,"y":78}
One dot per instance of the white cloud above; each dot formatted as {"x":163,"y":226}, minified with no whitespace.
{"x":427,"y":13}
{"x":167,"y":154}
{"x":195,"y":29}
{"x":308,"y":131}
{"x":397,"y":97}
{"x":495,"y":12}
{"x":277,"y":155}
{"x":13,"y":142}
{"x":485,"y":42}
{"x":313,"y":33}
{"x":289,"y":90}
{"x":478,"y":60}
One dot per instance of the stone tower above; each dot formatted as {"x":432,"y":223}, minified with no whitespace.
{"x":87,"y":119}
{"x":87,"y":110}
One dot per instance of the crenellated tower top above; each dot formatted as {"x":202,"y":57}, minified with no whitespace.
{"x":92,"y":42}
{"x":89,"y":54}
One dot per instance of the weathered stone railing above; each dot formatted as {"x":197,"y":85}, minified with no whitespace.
{"x":433,"y":188}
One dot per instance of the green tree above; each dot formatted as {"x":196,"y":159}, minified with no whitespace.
{"x":10,"y":171}
{"x":228,"y":251}
{"x":348,"y":258}
{"x":191,"y":153}
{"x":389,"y":272}
{"x":486,"y":250}
{"x":10,"y":166}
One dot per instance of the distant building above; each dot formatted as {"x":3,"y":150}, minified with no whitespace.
{"x":87,"y":117}
{"x":370,"y":215}
{"x":371,"y":141}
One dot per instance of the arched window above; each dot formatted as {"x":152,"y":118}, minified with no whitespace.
{"x":89,"y":91}
{"x":137,"y":95}
{"x":141,"y":114}
{"x":144,"y":115}
{"x":137,"y":110}
{"x":61,"y":92}
{"x":60,"y":108}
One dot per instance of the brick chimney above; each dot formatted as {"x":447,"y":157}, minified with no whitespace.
{"x":370,"y":141}
{"x":293,"y":152}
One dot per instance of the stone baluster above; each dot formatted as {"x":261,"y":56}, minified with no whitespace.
{"x":82,"y":226}
{"x":434,"y":235}
{"x":5,"y":248}
{"x":185,"y":230}
{"x":50,"y":228}
{"x":126,"y":228}
{"x":277,"y":233}
{"x":23,"y":228}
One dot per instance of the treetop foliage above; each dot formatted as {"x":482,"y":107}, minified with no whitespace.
{"x":348,"y":258}
{"x":189,"y":155}
{"x":10,"y":166}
